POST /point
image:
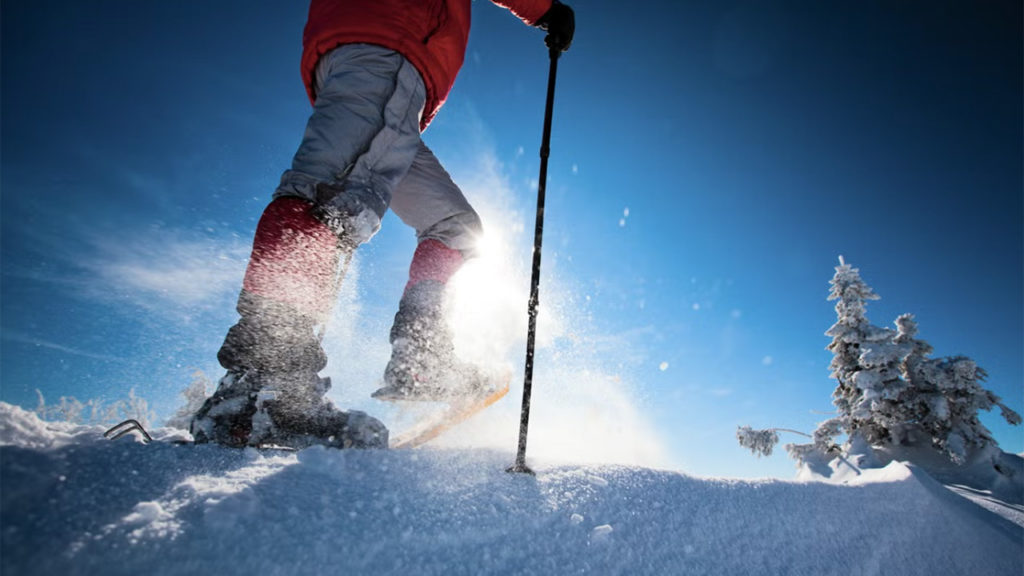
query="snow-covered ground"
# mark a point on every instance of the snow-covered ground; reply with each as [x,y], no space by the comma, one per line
[72,502]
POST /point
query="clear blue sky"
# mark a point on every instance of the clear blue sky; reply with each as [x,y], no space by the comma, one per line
[711,161]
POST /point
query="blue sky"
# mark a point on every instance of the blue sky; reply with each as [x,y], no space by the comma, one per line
[710,162]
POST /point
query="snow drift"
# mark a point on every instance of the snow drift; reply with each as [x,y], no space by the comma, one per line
[75,503]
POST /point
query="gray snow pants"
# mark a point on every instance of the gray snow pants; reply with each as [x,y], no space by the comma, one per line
[362,152]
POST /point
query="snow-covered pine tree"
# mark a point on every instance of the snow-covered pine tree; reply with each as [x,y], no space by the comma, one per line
[851,329]
[865,361]
[921,401]
[852,337]
[943,398]
[889,392]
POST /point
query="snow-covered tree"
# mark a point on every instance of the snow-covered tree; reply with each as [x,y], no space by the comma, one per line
[865,362]
[849,333]
[889,392]
[943,397]
[923,401]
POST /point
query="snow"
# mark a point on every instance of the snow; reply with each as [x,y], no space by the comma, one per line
[75,503]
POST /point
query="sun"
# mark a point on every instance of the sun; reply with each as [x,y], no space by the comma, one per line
[488,302]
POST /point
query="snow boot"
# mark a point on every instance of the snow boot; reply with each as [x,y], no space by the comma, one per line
[423,364]
[294,413]
[283,410]
[269,342]
[226,416]
[272,393]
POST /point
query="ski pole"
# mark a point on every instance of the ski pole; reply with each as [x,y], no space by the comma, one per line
[531,336]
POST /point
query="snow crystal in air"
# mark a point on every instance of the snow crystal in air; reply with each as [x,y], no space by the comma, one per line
[601,533]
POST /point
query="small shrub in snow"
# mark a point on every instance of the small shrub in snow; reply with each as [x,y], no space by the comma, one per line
[195,394]
[71,410]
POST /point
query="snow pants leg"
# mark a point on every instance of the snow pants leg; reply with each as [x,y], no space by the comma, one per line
[360,155]
[361,139]
[422,354]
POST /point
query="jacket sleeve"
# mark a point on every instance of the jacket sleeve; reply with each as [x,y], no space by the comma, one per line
[528,11]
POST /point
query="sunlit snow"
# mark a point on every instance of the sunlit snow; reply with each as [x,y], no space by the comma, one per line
[76,503]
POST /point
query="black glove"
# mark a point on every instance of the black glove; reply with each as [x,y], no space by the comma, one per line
[560,24]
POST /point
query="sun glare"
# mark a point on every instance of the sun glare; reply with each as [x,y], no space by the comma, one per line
[488,312]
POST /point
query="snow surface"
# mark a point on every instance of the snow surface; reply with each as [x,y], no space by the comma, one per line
[73,502]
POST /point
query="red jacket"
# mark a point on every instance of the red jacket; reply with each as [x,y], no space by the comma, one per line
[431,34]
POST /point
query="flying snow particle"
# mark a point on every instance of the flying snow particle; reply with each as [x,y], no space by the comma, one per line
[663,366]
[696,306]
[601,533]
[625,212]
[575,168]
[736,314]
[767,360]
[622,222]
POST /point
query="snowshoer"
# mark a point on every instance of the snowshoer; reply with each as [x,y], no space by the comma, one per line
[376,73]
